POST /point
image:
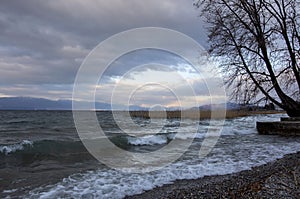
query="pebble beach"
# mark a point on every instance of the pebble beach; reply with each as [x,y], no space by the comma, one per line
[277,179]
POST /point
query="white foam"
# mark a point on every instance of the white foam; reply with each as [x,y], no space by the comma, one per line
[229,157]
[15,147]
[148,140]
[10,191]
[114,184]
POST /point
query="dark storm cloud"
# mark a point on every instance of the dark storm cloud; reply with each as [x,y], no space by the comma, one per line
[44,42]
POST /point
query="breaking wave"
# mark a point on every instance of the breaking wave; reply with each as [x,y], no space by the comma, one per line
[8,149]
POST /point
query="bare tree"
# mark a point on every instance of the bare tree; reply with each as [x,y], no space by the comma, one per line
[257,43]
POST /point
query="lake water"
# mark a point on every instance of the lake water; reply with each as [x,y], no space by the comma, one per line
[41,155]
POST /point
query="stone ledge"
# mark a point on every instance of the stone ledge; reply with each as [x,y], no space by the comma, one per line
[290,119]
[286,128]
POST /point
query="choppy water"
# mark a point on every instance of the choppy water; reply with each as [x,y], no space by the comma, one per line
[41,155]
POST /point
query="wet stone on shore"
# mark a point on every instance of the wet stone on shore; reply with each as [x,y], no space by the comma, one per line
[279,179]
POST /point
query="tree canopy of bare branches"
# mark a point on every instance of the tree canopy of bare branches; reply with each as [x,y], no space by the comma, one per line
[257,43]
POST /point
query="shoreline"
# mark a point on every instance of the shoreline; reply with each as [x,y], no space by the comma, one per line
[277,179]
[201,114]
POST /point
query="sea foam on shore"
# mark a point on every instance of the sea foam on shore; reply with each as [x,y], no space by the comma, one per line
[277,179]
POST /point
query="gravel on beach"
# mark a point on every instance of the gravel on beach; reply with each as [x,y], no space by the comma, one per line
[278,179]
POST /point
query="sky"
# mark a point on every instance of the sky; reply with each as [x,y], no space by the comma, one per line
[44,43]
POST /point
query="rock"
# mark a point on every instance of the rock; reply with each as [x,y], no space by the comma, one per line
[285,128]
[290,119]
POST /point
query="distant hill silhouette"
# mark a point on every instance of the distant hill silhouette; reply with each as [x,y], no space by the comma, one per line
[228,106]
[28,103]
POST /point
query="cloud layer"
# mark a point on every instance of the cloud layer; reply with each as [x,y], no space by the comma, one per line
[43,43]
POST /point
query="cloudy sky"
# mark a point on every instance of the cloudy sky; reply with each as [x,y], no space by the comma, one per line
[44,43]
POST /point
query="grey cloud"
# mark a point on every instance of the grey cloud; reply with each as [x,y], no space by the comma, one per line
[44,42]
[142,60]
[44,91]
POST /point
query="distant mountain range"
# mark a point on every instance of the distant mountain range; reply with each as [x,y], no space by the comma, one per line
[228,106]
[28,103]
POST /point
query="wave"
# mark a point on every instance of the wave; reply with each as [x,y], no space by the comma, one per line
[44,147]
[56,147]
[60,148]
[165,138]
[8,149]
[150,140]
[116,184]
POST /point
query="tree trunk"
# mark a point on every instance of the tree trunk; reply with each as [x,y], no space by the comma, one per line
[293,111]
